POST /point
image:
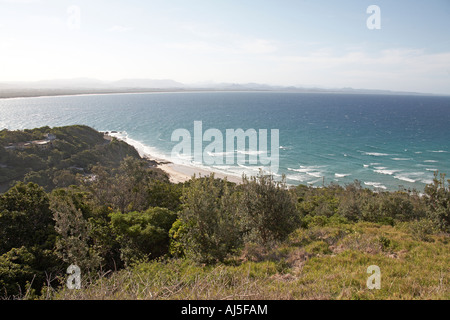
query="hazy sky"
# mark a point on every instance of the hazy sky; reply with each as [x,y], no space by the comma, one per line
[301,43]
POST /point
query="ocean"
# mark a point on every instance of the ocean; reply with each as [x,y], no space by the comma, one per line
[386,142]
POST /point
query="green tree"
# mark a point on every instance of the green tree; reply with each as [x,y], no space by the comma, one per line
[211,220]
[269,209]
[17,272]
[165,194]
[74,244]
[438,201]
[125,189]
[143,235]
[25,218]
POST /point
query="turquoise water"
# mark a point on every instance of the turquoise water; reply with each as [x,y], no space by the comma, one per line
[385,141]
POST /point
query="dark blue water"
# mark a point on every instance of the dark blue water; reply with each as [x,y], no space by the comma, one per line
[382,140]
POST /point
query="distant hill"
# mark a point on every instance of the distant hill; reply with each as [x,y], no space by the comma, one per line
[94,86]
[147,83]
[88,83]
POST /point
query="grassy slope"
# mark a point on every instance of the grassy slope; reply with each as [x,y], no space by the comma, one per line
[321,262]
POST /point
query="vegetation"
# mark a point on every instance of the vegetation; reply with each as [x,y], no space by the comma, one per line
[74,152]
[135,235]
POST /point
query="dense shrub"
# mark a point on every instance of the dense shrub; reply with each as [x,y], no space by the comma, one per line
[269,209]
[438,201]
[143,235]
[25,218]
[211,219]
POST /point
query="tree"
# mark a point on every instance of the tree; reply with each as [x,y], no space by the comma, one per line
[143,235]
[25,218]
[269,208]
[438,201]
[124,189]
[74,243]
[17,272]
[27,238]
[165,194]
[211,220]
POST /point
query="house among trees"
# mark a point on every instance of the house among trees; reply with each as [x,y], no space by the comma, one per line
[50,136]
[42,144]
[45,144]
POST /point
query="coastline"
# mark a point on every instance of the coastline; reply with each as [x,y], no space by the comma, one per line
[178,173]
[181,173]
[25,92]
[44,93]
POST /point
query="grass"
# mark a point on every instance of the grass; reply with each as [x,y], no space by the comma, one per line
[321,262]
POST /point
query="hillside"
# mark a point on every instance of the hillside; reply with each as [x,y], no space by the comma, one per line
[72,151]
[93,202]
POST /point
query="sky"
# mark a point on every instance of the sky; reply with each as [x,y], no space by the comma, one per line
[317,43]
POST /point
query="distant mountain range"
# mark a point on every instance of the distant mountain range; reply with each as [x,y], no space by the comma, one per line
[88,85]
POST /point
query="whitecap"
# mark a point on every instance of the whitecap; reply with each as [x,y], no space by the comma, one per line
[388,172]
[342,175]
[251,152]
[315,174]
[405,179]
[220,154]
[312,171]
[375,185]
[376,154]
[315,181]
[401,159]
[297,177]
[431,161]
[411,177]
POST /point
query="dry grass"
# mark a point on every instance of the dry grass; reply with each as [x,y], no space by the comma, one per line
[316,263]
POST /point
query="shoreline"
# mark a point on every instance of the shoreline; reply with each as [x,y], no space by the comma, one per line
[178,173]
[181,173]
[11,94]
[23,93]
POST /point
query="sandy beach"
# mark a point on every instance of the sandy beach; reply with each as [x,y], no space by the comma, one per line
[178,173]
[182,173]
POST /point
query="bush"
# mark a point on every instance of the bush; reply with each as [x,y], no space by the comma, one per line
[211,218]
[438,201]
[74,243]
[25,218]
[16,272]
[269,209]
[422,229]
[318,247]
[143,235]
[176,234]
